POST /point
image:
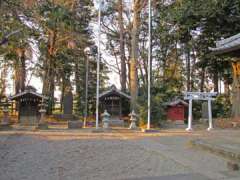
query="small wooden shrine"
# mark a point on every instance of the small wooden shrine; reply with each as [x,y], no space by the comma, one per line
[231,48]
[116,102]
[28,106]
[176,110]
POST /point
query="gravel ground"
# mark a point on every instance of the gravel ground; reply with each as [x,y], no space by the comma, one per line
[25,157]
[98,157]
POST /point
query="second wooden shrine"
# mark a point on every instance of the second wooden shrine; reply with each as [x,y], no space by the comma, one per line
[116,102]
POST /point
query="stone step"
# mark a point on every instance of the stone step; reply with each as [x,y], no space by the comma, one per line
[226,150]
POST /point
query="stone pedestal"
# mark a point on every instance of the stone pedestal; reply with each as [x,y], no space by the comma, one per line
[42,122]
[5,120]
[5,124]
[98,130]
[75,124]
[133,119]
[106,119]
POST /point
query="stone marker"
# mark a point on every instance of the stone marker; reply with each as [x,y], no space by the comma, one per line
[205,111]
[68,102]
[68,110]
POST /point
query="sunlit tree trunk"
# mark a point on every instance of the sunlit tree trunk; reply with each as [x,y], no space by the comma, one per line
[3,80]
[49,73]
[20,71]
[236,91]
[134,53]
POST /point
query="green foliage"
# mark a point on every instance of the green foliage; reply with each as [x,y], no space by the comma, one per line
[221,107]
[163,91]
[70,22]
[179,28]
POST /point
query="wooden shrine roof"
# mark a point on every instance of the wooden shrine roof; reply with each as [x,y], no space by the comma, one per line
[176,102]
[27,92]
[114,91]
[228,45]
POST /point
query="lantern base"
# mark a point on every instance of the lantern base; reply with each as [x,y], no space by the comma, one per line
[106,125]
[75,124]
[150,131]
[42,126]
[133,125]
[5,126]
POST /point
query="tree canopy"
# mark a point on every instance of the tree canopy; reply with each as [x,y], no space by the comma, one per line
[58,32]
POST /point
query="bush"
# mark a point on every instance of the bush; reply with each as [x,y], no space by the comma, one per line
[159,96]
[158,113]
[221,107]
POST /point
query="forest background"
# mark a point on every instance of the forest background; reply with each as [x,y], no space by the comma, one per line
[52,39]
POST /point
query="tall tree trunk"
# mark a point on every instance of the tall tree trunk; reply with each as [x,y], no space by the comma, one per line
[134,53]
[202,80]
[79,86]
[20,71]
[123,75]
[226,87]
[236,91]
[68,96]
[193,70]
[62,93]
[49,73]
[3,81]
[215,81]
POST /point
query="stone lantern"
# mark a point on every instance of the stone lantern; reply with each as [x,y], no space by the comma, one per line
[42,122]
[133,119]
[5,121]
[106,119]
